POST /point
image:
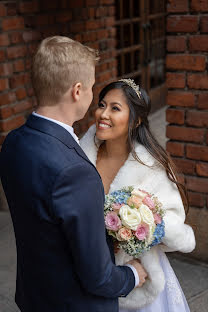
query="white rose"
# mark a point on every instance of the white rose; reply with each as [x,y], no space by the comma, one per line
[150,236]
[146,215]
[139,193]
[130,217]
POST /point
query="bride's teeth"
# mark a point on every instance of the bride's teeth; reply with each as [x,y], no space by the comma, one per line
[104,126]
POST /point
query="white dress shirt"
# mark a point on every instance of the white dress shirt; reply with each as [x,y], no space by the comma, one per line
[71,131]
[65,126]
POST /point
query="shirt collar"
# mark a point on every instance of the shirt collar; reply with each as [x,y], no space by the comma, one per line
[67,127]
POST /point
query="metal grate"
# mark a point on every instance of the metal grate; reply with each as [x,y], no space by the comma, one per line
[140,28]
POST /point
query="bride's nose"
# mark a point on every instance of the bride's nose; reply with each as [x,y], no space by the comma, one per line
[105,114]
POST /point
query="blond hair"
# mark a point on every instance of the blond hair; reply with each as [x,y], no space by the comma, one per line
[60,63]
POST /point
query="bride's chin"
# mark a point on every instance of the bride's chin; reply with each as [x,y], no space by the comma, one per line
[101,136]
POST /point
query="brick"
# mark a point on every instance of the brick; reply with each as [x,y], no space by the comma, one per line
[198,43]
[22,107]
[5,112]
[196,199]
[21,93]
[101,11]
[4,84]
[2,55]
[44,19]
[202,169]
[89,36]
[106,1]
[77,27]
[175,43]
[17,51]
[185,166]
[185,134]
[64,17]
[11,9]
[6,69]
[16,37]
[30,91]
[109,21]
[32,48]
[175,149]
[197,152]
[186,62]
[204,24]
[4,40]
[18,66]
[18,80]
[7,98]
[3,11]
[183,99]
[203,101]
[175,80]
[197,119]
[179,6]
[28,7]
[51,5]
[102,34]
[197,184]
[31,36]
[182,23]
[112,11]
[92,24]
[77,4]
[12,23]
[197,81]
[104,77]
[199,5]
[10,124]
[175,116]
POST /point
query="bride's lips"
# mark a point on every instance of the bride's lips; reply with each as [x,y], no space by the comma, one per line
[103,125]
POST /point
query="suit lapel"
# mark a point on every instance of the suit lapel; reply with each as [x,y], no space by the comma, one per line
[56,131]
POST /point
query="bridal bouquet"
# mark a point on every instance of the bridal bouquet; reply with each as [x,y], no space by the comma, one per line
[135,219]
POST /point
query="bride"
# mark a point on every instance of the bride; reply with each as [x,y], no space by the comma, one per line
[125,153]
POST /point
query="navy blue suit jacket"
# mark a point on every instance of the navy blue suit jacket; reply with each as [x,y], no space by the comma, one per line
[56,197]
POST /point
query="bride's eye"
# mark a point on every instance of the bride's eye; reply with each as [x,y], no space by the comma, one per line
[115,108]
[100,105]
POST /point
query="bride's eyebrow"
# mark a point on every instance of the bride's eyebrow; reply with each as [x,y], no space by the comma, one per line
[112,103]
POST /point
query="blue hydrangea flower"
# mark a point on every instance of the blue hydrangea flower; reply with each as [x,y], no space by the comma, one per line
[159,233]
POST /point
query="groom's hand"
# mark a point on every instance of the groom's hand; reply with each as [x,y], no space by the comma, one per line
[140,270]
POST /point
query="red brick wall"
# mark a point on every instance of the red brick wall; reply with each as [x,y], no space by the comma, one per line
[24,23]
[187,115]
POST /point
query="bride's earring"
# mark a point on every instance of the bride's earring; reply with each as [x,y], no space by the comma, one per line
[138,123]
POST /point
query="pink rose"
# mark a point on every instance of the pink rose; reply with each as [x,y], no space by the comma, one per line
[142,231]
[124,234]
[112,221]
[149,202]
[116,207]
[135,201]
[157,218]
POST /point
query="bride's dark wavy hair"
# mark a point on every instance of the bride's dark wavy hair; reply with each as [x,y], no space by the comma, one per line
[139,110]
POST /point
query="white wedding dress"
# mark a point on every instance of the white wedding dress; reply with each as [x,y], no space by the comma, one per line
[171,299]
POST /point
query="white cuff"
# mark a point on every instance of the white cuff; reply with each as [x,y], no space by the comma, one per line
[135,274]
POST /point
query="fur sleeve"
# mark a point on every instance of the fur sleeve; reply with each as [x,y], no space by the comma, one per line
[178,236]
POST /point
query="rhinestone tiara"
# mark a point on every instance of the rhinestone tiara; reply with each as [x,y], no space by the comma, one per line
[132,84]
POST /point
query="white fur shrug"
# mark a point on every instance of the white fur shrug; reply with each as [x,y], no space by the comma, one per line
[178,236]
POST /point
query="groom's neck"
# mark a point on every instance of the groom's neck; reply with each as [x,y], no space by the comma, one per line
[62,113]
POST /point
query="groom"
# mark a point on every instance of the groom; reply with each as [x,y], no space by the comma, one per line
[56,196]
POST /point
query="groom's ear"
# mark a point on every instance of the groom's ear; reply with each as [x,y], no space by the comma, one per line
[76,91]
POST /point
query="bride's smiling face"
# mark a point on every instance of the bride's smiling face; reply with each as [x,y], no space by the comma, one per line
[112,116]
